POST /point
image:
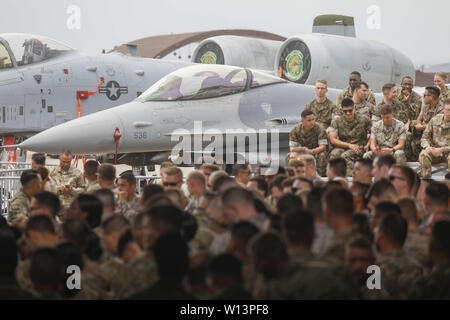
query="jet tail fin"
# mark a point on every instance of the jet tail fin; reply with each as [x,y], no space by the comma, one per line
[335,24]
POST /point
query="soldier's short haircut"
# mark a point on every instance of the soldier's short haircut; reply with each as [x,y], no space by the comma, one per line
[387,87]
[172,256]
[366,163]
[347,103]
[77,231]
[90,204]
[242,232]
[339,202]
[150,190]
[442,75]
[198,177]
[358,84]
[40,223]
[406,77]
[157,200]
[409,175]
[322,81]
[298,227]
[106,197]
[67,153]
[306,113]
[447,101]
[91,168]
[38,158]
[394,227]
[237,195]
[288,201]
[294,163]
[360,242]
[357,73]
[166,219]
[314,201]
[42,171]
[46,268]
[115,223]
[8,252]
[125,239]
[385,207]
[303,179]
[107,172]
[441,237]
[174,171]
[167,164]
[128,177]
[277,182]
[240,168]
[380,188]
[385,160]
[386,109]
[408,208]
[261,184]
[339,166]
[27,176]
[222,183]
[209,166]
[437,193]
[299,150]
[287,183]
[308,159]
[46,199]
[226,264]
[434,91]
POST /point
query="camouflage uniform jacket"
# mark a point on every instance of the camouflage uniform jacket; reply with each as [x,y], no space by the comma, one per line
[416,246]
[428,112]
[23,278]
[18,208]
[91,187]
[437,134]
[207,231]
[129,209]
[443,96]
[300,137]
[348,93]
[365,108]
[413,104]
[142,272]
[401,112]
[436,285]
[73,177]
[398,271]
[388,136]
[354,132]
[324,112]
[336,248]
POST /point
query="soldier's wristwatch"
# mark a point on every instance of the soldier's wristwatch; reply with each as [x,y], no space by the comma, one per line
[312,152]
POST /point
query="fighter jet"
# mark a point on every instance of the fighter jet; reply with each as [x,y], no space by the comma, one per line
[44,82]
[186,109]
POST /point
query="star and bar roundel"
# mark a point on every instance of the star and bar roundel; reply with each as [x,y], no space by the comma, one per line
[113,90]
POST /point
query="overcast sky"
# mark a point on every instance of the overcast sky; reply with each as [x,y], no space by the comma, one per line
[419,29]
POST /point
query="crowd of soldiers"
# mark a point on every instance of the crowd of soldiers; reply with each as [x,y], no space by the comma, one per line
[211,235]
[356,127]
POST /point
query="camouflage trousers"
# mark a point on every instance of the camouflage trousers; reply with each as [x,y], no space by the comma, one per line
[321,163]
[399,156]
[426,160]
[413,147]
[348,155]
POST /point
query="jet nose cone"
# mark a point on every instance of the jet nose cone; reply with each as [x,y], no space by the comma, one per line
[89,134]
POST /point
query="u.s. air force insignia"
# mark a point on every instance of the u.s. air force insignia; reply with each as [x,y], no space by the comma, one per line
[113,90]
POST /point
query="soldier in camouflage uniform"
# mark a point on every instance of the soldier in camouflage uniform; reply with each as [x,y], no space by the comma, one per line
[127,201]
[313,137]
[360,93]
[322,107]
[208,229]
[69,180]
[348,135]
[347,93]
[440,81]
[91,173]
[390,98]
[436,142]
[387,136]
[429,110]
[21,202]
[397,269]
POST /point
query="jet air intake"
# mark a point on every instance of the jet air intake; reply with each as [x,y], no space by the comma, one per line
[305,58]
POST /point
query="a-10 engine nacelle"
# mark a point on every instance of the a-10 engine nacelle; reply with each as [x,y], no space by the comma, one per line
[306,58]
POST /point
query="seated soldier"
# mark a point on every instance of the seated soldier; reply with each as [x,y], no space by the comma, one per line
[388,136]
[436,141]
[312,137]
[390,98]
[360,94]
[355,76]
[322,107]
[348,135]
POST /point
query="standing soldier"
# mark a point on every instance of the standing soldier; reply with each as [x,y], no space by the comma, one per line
[348,135]
[440,81]
[322,107]
[91,173]
[360,93]
[312,137]
[429,110]
[436,141]
[355,76]
[388,136]
[69,180]
[390,98]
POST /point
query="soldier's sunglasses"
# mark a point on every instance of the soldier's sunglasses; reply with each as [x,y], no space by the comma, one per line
[347,111]
[392,178]
[170,184]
